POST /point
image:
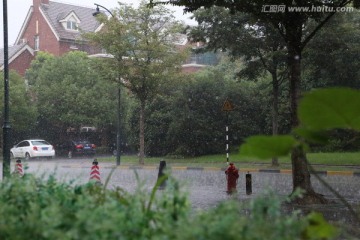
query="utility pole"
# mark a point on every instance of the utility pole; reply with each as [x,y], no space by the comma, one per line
[118,113]
[6,126]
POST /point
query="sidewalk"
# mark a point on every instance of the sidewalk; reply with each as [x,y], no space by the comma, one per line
[245,170]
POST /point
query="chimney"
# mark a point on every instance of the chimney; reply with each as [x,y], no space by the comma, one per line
[37,3]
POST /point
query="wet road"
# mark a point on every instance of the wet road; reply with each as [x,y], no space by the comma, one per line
[205,188]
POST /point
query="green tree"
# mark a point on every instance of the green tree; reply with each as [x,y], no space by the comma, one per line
[259,45]
[332,57]
[332,60]
[142,42]
[71,93]
[289,18]
[23,112]
[186,119]
[32,73]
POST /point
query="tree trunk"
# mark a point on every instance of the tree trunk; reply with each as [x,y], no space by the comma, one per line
[300,171]
[275,110]
[302,180]
[142,133]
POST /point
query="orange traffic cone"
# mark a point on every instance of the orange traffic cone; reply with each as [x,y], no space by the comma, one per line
[19,168]
[95,172]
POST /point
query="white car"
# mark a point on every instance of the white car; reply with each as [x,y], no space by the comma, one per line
[32,148]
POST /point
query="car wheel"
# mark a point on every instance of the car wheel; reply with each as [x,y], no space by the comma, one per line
[27,156]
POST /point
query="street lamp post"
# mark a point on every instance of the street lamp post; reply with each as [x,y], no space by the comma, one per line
[118,115]
[98,10]
[6,126]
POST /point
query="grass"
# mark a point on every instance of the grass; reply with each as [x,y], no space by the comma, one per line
[321,161]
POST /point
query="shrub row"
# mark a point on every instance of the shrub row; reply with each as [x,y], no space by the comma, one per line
[38,208]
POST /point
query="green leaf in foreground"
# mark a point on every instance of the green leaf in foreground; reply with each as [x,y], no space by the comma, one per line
[319,137]
[318,228]
[330,108]
[268,146]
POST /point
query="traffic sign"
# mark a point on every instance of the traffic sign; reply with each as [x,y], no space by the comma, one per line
[227,106]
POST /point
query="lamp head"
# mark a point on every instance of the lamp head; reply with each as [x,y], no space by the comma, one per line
[97,11]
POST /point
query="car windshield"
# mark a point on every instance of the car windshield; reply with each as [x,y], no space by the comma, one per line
[40,142]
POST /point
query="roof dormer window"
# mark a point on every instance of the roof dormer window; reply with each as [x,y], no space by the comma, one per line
[71,22]
[71,25]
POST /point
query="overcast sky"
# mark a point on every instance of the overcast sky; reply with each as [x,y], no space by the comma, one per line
[17,10]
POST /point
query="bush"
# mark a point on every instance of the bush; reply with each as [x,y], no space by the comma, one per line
[33,208]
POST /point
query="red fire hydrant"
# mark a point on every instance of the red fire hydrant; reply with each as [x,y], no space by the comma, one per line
[232,175]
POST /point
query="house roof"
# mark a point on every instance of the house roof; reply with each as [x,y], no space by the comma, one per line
[13,52]
[54,12]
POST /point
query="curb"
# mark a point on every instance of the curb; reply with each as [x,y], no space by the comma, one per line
[244,170]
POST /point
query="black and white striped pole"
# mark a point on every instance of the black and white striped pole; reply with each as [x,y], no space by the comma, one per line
[227,107]
[227,137]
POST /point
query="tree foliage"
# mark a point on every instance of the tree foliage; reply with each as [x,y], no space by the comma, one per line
[142,41]
[187,118]
[23,113]
[291,18]
[70,93]
[332,57]
[258,43]
[320,111]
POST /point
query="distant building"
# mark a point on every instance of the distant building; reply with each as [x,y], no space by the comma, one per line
[51,27]
[20,57]
[54,27]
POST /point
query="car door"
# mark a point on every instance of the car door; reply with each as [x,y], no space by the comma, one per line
[20,149]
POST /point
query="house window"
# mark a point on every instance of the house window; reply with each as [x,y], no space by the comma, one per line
[70,22]
[37,43]
[71,25]
[207,58]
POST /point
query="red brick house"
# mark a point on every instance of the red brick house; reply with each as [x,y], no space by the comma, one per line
[51,27]
[56,28]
